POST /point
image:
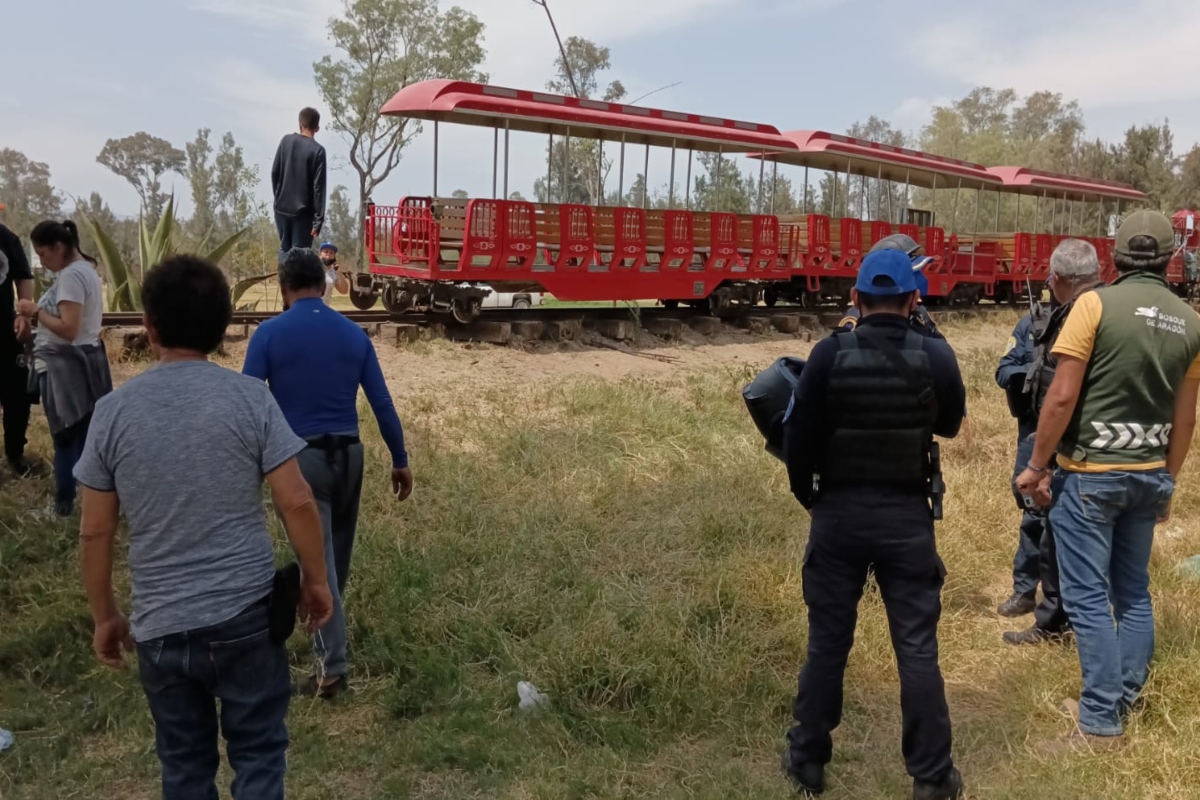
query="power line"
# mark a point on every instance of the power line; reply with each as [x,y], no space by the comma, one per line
[562,50]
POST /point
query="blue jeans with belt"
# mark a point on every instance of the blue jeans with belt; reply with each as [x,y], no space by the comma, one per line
[1104,528]
[184,674]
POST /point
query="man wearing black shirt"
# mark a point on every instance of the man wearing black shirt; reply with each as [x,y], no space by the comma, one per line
[298,183]
[14,332]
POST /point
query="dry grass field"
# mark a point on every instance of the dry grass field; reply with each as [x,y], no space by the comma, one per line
[608,528]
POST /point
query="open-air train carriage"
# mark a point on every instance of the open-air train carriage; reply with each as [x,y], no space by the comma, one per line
[428,252]
[824,253]
[1027,255]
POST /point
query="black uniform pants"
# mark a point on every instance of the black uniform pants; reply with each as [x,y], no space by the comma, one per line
[894,532]
[14,393]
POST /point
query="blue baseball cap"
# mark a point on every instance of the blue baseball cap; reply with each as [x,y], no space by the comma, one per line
[328,246]
[886,273]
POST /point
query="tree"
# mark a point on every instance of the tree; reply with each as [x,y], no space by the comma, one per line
[223,187]
[384,46]
[576,170]
[723,186]
[26,191]
[142,160]
[341,222]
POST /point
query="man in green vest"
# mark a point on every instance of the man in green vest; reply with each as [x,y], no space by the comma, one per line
[1120,413]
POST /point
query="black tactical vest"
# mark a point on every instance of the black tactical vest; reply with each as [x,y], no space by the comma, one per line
[882,416]
[1041,371]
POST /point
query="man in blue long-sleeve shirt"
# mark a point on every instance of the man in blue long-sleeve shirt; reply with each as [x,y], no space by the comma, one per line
[1010,376]
[314,360]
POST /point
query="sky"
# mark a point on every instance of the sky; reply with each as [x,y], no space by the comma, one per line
[78,72]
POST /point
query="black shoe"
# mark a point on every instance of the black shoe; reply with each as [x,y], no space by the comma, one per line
[949,788]
[63,508]
[1035,635]
[809,779]
[313,688]
[1018,605]
[21,466]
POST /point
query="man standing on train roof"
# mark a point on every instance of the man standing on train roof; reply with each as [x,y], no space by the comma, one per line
[334,277]
[298,184]
[920,317]
[314,360]
[858,444]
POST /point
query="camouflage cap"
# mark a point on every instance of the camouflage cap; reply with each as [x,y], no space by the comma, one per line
[1145,222]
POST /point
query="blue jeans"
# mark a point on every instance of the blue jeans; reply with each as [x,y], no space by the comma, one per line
[1104,528]
[68,449]
[294,231]
[184,674]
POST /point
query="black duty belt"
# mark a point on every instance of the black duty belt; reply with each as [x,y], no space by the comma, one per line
[332,445]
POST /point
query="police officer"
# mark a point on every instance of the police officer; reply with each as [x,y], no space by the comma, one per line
[920,317]
[1074,269]
[858,443]
[14,333]
[1010,376]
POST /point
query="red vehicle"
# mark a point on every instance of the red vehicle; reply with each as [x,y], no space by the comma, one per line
[446,254]
[428,252]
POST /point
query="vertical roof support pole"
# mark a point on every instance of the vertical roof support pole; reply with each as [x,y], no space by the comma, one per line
[495,161]
[671,190]
[774,183]
[687,191]
[621,174]
[762,171]
[806,189]
[506,143]
[646,179]
[435,157]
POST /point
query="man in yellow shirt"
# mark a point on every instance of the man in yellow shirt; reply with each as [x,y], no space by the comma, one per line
[1120,414]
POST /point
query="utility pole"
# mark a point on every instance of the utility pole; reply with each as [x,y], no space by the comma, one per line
[562,50]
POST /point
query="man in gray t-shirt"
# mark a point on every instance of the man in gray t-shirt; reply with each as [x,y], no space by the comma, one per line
[183,450]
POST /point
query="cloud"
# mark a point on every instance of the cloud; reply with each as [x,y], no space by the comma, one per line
[1092,56]
[262,107]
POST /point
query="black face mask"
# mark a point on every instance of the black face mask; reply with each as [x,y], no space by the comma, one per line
[329,262]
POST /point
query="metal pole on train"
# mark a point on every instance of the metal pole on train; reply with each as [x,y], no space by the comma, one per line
[717,181]
[600,174]
[564,171]
[833,208]
[671,190]
[954,211]
[974,228]
[1037,212]
[908,189]
[506,131]
[687,190]
[435,157]
[1017,223]
[621,175]
[646,179]
[774,183]
[999,202]
[879,186]
[806,189]
[550,171]
[495,160]
[762,171]
[1100,217]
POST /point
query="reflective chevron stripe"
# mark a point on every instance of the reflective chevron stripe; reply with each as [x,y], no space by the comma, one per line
[1129,435]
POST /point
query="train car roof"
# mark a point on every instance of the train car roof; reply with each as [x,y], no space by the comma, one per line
[1022,180]
[835,152]
[539,112]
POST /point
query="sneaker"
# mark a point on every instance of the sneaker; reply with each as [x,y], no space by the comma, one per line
[949,788]
[1018,605]
[809,778]
[1036,635]
[1078,741]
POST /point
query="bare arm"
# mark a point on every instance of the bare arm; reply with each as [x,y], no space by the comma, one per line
[1058,409]
[342,284]
[66,325]
[1183,425]
[97,535]
[24,289]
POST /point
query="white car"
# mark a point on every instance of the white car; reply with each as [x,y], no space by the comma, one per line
[510,299]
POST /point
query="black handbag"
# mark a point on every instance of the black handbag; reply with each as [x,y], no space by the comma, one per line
[285,602]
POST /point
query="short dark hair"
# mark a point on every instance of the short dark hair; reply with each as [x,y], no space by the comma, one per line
[301,269]
[310,119]
[894,303]
[186,299]
[1143,257]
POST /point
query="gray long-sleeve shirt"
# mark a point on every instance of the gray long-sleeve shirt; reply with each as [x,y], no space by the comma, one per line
[298,178]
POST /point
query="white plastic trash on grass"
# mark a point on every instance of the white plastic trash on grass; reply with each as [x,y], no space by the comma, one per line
[530,697]
[6,739]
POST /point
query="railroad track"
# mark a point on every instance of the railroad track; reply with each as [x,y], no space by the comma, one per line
[134,319]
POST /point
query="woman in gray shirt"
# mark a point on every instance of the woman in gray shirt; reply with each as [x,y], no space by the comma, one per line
[70,363]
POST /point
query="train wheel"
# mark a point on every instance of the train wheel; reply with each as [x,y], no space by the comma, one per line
[466,312]
[395,300]
[363,301]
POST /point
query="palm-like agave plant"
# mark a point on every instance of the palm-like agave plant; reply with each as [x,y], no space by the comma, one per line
[153,247]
